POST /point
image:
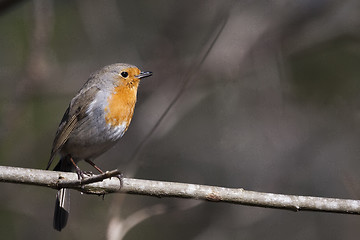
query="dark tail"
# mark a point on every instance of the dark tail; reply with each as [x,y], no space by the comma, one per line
[62,209]
[62,203]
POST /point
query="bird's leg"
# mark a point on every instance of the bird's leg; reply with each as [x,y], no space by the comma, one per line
[79,172]
[120,176]
[94,166]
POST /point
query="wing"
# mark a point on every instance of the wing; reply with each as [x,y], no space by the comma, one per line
[73,115]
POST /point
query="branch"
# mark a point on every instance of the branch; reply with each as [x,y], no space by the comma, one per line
[181,190]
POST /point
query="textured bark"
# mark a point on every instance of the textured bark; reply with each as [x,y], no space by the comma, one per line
[107,183]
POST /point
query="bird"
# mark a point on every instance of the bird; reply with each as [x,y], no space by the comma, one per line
[96,118]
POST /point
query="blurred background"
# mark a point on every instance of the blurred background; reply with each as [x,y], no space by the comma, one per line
[266,97]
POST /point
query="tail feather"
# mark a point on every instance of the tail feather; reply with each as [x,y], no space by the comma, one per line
[62,203]
[62,209]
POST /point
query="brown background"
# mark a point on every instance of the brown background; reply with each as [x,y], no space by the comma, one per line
[274,107]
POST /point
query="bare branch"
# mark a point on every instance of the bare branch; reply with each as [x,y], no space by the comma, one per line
[181,190]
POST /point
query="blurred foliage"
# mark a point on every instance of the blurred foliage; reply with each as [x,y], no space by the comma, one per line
[328,72]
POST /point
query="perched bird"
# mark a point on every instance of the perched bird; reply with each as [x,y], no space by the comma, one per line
[97,117]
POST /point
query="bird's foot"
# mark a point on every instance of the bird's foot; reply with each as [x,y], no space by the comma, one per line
[83,174]
[120,177]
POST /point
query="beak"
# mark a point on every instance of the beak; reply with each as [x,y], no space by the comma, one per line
[144,75]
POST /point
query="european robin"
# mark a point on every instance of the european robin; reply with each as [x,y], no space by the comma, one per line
[97,117]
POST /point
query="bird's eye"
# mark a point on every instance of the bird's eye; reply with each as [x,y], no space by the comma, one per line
[124,74]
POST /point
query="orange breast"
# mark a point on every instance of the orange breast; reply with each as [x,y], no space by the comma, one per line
[121,104]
